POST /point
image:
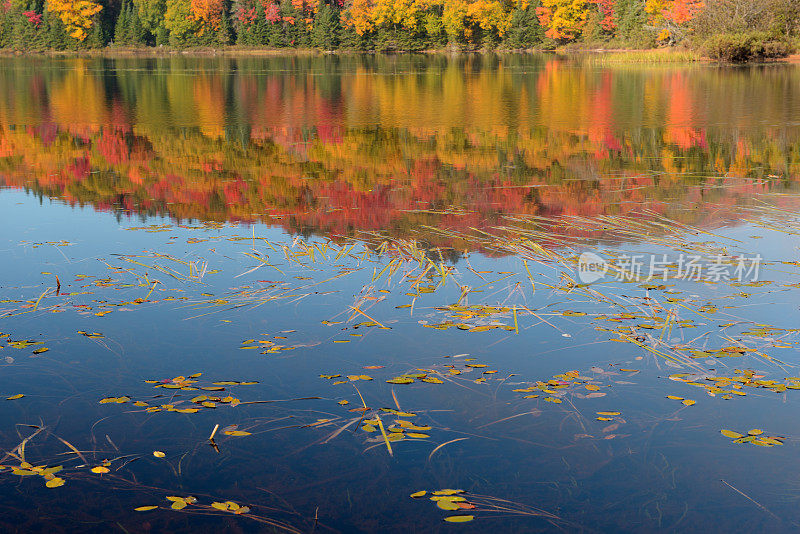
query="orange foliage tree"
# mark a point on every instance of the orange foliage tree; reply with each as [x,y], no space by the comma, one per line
[671,17]
[209,12]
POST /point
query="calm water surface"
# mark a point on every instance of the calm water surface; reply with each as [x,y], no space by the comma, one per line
[303,230]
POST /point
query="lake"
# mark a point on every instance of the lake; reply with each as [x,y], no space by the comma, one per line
[413,293]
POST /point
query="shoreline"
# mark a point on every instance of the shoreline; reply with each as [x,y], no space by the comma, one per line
[167,51]
[623,55]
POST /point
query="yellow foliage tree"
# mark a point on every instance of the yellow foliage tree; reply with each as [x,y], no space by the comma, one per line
[564,19]
[360,16]
[490,14]
[76,15]
[454,18]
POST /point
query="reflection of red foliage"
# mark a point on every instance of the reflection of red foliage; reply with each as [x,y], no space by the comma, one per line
[396,203]
[234,192]
[47,132]
[113,147]
[80,168]
[297,157]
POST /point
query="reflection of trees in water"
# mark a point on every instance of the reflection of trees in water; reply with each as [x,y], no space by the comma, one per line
[339,144]
[401,183]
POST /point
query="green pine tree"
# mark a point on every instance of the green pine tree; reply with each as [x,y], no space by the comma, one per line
[525,31]
[55,33]
[97,37]
[121,28]
[290,34]
[261,29]
[225,31]
[631,20]
[327,27]
[25,35]
[162,35]
[6,27]
[136,32]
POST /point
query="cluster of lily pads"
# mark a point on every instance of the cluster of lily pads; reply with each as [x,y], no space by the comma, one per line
[729,386]
[266,346]
[47,473]
[450,500]
[185,383]
[474,318]
[753,437]
[399,429]
[421,375]
[179,503]
[571,381]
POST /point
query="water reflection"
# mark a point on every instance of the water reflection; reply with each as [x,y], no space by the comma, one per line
[337,144]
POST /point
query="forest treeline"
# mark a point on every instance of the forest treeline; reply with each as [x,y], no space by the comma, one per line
[725,29]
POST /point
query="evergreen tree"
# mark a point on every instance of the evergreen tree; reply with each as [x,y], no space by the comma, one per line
[136,32]
[290,34]
[260,29]
[6,27]
[525,31]
[25,33]
[121,29]
[55,33]
[631,20]
[162,36]
[327,27]
[225,31]
[97,37]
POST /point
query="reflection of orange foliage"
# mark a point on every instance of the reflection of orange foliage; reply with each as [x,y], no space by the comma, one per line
[336,192]
[680,115]
[79,99]
[361,152]
[207,93]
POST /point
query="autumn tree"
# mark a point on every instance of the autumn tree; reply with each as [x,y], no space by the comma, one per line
[208,13]
[671,17]
[77,15]
[454,19]
[490,20]
[606,9]
[182,25]
[563,19]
